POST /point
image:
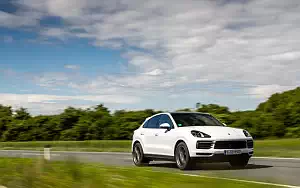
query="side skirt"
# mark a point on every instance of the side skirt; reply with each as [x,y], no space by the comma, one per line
[159,157]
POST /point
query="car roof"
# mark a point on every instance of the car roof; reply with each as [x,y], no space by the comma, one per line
[177,112]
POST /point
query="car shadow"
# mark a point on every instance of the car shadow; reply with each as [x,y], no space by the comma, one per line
[210,166]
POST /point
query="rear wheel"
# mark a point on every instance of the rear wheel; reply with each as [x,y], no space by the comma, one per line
[138,155]
[239,162]
[182,157]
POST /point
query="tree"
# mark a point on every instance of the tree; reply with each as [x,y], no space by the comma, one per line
[279,116]
[22,114]
[214,109]
[5,118]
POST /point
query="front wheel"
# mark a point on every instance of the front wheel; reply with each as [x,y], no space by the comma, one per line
[182,157]
[138,155]
[241,162]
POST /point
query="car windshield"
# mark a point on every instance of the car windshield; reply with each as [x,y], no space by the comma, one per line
[195,119]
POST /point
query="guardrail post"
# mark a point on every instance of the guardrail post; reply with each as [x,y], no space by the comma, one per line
[47,154]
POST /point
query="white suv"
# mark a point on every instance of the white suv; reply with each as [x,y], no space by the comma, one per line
[189,137]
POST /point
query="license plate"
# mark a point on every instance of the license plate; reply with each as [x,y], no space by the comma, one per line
[232,152]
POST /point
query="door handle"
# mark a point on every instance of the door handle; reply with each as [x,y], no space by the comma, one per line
[142,133]
[156,134]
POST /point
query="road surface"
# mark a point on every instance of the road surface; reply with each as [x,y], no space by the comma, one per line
[283,171]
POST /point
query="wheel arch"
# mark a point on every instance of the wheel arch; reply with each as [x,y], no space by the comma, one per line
[135,142]
[179,140]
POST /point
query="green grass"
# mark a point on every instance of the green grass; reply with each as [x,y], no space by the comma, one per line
[275,148]
[278,148]
[29,173]
[98,145]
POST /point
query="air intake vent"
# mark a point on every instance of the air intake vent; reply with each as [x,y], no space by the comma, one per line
[250,143]
[230,144]
[204,144]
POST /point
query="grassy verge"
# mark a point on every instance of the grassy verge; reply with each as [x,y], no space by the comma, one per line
[278,148]
[95,145]
[31,173]
[275,148]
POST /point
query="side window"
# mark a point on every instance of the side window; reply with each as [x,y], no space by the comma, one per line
[146,124]
[165,119]
[153,122]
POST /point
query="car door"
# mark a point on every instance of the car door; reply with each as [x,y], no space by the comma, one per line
[148,134]
[164,138]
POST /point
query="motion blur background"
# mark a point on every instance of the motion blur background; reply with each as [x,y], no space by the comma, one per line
[94,70]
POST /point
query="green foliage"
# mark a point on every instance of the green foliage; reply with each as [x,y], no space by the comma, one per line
[279,116]
[214,109]
[22,114]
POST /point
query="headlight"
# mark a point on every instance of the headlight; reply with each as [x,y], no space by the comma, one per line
[246,133]
[200,134]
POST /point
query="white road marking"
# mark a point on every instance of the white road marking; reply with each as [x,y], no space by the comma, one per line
[277,158]
[244,181]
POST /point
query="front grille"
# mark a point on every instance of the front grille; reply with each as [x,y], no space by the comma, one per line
[250,143]
[230,144]
[204,144]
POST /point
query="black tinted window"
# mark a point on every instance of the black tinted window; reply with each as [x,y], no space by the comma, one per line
[165,119]
[146,124]
[153,122]
[195,119]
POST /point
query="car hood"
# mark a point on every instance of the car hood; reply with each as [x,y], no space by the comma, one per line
[218,131]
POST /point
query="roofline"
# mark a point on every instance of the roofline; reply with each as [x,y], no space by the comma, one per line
[177,112]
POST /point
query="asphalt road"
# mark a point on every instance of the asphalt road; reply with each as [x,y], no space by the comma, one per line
[283,171]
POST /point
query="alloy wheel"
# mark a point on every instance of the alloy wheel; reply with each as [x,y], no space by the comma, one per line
[137,154]
[181,158]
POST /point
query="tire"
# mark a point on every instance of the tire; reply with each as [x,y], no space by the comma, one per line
[138,155]
[240,162]
[182,157]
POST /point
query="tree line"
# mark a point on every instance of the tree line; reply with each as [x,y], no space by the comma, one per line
[279,116]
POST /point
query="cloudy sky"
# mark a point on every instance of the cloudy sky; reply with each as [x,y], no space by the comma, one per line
[132,54]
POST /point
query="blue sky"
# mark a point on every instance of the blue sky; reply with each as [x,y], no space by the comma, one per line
[129,54]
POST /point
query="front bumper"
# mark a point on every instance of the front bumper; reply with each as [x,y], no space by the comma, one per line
[219,154]
[216,158]
[211,152]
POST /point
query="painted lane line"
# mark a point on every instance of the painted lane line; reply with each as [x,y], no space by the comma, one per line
[277,158]
[244,181]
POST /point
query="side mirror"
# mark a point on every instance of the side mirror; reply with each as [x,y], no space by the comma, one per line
[165,126]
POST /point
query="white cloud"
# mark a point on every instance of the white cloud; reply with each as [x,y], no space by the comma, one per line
[72,67]
[39,104]
[155,72]
[287,56]
[37,98]
[182,45]
[19,20]
[52,79]
[265,91]
[55,32]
